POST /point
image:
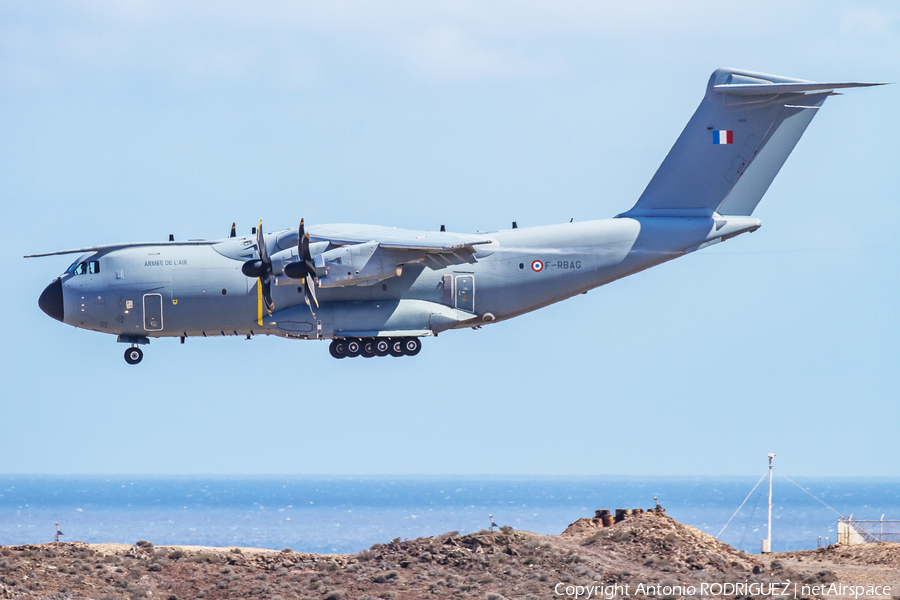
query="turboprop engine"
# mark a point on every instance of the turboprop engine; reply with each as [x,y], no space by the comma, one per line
[358,264]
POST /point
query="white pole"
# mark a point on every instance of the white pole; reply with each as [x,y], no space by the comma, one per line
[769,533]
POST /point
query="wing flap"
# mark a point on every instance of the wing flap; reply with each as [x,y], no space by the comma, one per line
[441,249]
[393,238]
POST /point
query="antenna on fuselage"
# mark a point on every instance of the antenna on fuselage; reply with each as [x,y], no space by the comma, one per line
[515,225]
[443,228]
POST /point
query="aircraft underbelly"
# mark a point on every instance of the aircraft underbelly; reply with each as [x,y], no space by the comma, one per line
[365,319]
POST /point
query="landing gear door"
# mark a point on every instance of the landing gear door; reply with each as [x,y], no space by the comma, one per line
[465,293]
[153,317]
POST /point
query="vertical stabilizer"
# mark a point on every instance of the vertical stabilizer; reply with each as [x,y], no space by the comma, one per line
[734,145]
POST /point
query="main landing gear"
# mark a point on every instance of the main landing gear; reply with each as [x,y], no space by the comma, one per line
[369,347]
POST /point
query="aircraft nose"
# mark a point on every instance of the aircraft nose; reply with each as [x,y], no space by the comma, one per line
[51,300]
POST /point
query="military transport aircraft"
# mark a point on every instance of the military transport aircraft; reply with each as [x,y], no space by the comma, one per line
[376,290]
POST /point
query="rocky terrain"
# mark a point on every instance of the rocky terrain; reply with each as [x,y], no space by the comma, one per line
[649,550]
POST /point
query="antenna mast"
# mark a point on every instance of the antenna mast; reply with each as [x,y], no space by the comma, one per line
[767,543]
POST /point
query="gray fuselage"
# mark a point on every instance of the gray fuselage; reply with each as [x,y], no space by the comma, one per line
[197,288]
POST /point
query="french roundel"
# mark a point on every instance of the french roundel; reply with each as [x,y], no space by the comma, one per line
[537,266]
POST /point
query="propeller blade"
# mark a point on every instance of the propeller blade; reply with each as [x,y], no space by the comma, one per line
[260,268]
[299,269]
[307,258]
[310,292]
[261,245]
[303,247]
[309,283]
[267,291]
[233,230]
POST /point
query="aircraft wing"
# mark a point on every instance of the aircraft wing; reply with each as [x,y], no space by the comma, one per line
[437,249]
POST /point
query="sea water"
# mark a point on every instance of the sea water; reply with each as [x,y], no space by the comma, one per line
[349,514]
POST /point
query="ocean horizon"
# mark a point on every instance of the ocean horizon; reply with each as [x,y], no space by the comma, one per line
[343,514]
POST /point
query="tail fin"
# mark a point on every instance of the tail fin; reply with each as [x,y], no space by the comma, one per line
[734,145]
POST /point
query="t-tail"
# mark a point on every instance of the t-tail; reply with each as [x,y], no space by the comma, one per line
[734,145]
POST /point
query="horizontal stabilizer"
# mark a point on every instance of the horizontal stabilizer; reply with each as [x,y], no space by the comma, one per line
[765,88]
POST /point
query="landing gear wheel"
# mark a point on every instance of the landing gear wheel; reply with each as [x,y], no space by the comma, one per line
[382,346]
[396,347]
[133,355]
[338,349]
[411,346]
[368,348]
[352,347]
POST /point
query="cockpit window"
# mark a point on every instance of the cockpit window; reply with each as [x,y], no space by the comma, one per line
[80,268]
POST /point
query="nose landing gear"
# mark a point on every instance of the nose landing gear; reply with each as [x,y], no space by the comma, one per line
[369,347]
[134,355]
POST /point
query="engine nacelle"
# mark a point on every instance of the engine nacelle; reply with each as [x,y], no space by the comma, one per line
[357,264]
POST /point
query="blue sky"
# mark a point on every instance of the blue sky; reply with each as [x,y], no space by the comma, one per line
[126,121]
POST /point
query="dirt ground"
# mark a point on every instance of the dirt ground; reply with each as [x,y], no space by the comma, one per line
[862,565]
[644,556]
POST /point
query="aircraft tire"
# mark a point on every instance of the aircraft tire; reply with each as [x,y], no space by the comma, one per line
[352,347]
[382,346]
[337,349]
[368,348]
[412,346]
[396,348]
[134,355]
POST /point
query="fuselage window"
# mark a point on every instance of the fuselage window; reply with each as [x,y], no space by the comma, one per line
[81,269]
[94,267]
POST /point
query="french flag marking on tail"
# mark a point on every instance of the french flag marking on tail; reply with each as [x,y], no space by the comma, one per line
[724,136]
